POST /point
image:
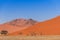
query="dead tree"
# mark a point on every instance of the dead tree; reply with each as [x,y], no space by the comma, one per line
[4,32]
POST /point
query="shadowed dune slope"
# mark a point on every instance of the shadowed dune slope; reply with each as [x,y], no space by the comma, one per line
[17,25]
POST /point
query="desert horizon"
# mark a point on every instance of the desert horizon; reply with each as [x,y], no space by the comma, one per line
[32,27]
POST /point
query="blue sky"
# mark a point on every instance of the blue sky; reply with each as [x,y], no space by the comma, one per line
[39,10]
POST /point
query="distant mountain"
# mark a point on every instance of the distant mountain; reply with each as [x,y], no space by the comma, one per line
[22,22]
[49,27]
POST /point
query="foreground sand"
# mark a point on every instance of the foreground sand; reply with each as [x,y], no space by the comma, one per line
[30,37]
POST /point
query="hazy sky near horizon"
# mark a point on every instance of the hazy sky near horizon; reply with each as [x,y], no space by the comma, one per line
[39,10]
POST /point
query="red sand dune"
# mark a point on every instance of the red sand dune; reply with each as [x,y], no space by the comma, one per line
[29,27]
[49,27]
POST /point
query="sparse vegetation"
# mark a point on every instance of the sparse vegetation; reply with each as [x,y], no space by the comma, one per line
[4,32]
[33,34]
[20,33]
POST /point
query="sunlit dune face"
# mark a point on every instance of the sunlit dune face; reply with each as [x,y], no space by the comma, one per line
[49,27]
